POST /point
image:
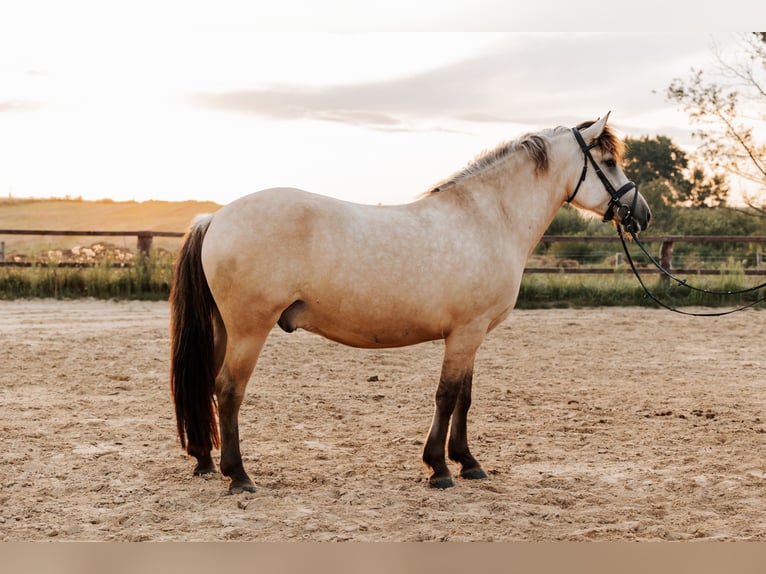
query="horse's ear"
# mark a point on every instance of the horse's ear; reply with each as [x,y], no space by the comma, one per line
[593,131]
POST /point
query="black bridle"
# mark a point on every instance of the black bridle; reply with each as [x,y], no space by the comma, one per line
[615,206]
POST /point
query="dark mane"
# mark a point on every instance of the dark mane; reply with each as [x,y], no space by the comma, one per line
[534,145]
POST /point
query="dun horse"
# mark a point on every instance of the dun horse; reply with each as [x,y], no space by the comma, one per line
[447,266]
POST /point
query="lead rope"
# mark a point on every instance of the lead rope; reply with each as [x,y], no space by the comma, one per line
[682,282]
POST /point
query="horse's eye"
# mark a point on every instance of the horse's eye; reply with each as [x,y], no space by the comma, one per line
[610,163]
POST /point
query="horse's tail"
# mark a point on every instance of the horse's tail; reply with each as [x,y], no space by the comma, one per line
[192,365]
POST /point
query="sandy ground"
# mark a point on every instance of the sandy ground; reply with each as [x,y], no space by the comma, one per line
[594,424]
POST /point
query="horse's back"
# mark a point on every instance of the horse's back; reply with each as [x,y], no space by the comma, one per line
[292,219]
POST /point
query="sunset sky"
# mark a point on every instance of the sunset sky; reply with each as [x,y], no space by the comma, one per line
[170,100]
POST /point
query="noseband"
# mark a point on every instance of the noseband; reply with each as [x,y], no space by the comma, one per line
[624,211]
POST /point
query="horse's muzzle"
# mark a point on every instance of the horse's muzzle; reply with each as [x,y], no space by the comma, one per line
[633,216]
[636,219]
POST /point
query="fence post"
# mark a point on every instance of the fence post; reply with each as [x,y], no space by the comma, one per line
[2,251]
[145,239]
[666,261]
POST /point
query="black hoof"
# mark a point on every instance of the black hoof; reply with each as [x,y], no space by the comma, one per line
[441,482]
[205,468]
[474,473]
[239,488]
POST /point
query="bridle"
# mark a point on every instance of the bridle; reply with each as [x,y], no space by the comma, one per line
[615,206]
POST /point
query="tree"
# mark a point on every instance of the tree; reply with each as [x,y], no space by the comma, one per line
[658,163]
[647,159]
[724,111]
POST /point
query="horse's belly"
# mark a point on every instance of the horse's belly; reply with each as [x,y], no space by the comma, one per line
[372,339]
[358,328]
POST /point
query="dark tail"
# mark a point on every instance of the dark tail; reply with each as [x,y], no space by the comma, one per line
[192,369]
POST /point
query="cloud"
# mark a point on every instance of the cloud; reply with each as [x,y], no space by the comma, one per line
[19,106]
[537,79]
[345,105]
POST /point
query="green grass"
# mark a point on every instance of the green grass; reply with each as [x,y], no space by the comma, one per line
[562,290]
[148,278]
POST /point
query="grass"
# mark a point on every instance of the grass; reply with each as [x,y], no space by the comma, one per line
[622,289]
[149,277]
[561,290]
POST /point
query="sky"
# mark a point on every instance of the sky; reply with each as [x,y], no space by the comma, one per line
[175,100]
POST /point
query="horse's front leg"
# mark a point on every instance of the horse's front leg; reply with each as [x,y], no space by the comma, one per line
[453,396]
[433,452]
[458,437]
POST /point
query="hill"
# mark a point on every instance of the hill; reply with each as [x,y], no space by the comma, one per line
[106,215]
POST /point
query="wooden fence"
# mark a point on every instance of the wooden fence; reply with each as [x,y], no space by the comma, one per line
[667,243]
[144,239]
[665,256]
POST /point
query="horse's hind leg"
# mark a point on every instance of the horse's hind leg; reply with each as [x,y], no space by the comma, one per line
[241,357]
[205,464]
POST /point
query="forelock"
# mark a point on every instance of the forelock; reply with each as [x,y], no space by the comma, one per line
[607,142]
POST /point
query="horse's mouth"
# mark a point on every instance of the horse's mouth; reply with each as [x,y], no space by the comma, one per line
[634,222]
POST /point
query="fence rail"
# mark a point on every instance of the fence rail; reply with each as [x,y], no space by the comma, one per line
[644,271]
[667,242]
[144,238]
[656,239]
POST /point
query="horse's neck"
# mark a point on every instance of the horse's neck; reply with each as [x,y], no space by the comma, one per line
[525,200]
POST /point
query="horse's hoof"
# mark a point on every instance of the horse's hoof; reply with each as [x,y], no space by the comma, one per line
[201,469]
[441,482]
[239,488]
[474,473]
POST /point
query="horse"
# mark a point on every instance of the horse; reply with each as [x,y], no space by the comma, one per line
[446,266]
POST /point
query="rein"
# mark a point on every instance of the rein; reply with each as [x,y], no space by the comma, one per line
[682,282]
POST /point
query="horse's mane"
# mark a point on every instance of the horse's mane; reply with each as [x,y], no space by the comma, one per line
[535,145]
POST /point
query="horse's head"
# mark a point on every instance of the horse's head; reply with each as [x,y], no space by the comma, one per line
[604,188]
